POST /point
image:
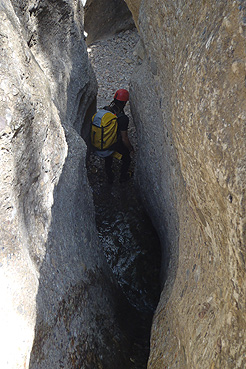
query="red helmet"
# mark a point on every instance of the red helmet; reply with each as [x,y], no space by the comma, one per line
[122,95]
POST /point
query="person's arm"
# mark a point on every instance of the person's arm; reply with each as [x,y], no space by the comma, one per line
[126,141]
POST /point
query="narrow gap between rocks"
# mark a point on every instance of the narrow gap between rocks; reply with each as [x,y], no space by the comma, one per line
[130,243]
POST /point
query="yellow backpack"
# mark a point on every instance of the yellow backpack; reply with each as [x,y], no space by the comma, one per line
[103,129]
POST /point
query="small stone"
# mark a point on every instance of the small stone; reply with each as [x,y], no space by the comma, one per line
[129,61]
[3,123]
[15,91]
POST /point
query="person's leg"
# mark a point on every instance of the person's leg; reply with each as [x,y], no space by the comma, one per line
[126,161]
[108,168]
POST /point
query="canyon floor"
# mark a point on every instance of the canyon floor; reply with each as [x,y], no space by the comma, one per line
[129,241]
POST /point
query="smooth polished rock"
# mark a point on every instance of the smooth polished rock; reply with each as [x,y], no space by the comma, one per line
[188,102]
[59,304]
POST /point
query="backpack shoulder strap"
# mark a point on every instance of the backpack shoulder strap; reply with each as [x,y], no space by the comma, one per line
[96,119]
[121,114]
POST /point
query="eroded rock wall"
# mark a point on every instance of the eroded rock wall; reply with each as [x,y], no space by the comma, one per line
[103,18]
[134,6]
[56,305]
[188,101]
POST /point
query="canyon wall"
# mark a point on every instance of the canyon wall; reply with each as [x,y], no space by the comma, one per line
[56,304]
[103,18]
[188,102]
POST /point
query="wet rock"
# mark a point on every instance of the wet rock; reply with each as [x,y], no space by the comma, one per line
[128,239]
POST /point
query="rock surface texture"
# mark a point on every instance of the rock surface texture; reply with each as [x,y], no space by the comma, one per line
[188,101]
[103,18]
[56,305]
[134,6]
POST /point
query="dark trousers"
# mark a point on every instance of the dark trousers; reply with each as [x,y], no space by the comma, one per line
[126,159]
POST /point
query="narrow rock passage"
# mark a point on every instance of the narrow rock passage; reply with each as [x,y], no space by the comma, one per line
[129,241]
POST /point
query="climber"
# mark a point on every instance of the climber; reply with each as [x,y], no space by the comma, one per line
[122,148]
[123,145]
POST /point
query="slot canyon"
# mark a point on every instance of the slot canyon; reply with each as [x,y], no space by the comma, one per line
[158,282]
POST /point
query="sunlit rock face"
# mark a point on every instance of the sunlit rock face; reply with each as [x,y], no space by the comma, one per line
[188,101]
[134,6]
[56,305]
[103,18]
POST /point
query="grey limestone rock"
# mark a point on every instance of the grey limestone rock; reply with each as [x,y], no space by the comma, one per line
[58,302]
